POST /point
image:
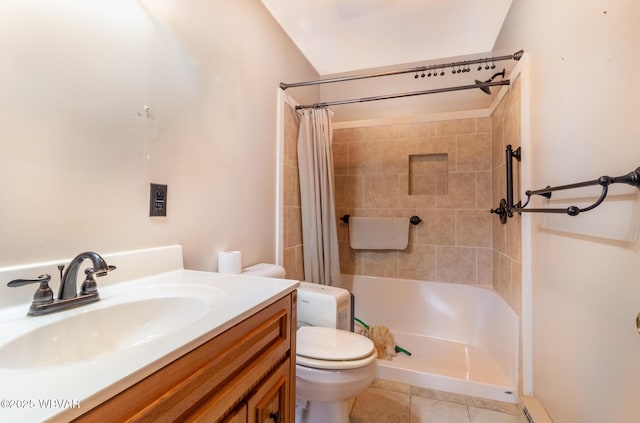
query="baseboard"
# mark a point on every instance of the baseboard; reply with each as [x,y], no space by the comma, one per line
[534,411]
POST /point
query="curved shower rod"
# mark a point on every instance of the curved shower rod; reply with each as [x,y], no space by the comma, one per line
[507,208]
[515,56]
[484,86]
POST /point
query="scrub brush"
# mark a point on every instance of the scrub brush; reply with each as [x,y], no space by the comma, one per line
[382,340]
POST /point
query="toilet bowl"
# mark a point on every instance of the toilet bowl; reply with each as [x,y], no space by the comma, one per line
[332,365]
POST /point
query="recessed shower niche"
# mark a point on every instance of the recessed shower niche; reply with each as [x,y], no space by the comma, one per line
[428,174]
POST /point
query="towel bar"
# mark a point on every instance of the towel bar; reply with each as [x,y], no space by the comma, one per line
[414,220]
[507,207]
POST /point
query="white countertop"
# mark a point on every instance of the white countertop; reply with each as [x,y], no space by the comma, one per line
[65,391]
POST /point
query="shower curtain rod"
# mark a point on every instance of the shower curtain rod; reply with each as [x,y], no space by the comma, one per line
[407,94]
[515,56]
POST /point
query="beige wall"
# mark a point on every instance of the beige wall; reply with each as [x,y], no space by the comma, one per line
[78,150]
[584,123]
[453,243]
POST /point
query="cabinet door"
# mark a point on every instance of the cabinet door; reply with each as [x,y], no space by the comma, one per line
[269,403]
[239,415]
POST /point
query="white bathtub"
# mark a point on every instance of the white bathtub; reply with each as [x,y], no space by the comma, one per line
[463,339]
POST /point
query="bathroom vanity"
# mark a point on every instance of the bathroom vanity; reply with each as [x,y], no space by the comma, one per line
[163,344]
[245,374]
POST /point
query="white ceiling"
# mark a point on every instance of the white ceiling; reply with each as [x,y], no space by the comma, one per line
[345,35]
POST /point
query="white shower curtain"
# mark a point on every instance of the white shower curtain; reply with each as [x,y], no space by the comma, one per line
[319,231]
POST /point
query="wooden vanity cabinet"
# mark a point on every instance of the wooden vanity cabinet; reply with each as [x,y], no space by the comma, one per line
[245,374]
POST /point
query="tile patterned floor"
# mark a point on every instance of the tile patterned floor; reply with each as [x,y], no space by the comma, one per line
[387,402]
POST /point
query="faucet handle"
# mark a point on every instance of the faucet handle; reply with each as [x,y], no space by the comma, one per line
[43,294]
[22,282]
[89,284]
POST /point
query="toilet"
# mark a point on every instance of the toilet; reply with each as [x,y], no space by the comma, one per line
[333,364]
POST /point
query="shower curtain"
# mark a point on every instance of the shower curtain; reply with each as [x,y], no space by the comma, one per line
[319,231]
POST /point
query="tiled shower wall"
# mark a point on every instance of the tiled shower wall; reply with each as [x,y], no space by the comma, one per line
[439,171]
[458,240]
[507,254]
[292,220]
[507,260]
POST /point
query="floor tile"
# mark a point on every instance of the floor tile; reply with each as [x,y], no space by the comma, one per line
[479,415]
[425,410]
[499,406]
[399,403]
[381,406]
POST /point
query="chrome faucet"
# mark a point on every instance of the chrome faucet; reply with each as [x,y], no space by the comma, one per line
[43,301]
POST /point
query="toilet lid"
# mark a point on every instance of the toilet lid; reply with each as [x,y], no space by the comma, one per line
[331,344]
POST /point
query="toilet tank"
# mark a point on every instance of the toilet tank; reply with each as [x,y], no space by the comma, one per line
[318,305]
[322,305]
[267,270]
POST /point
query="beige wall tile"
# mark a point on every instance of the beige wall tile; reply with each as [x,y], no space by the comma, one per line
[365,157]
[381,191]
[473,228]
[426,129]
[474,152]
[395,155]
[417,262]
[495,277]
[292,226]
[438,227]
[461,191]
[497,145]
[513,235]
[292,122]
[291,186]
[348,259]
[456,264]
[349,191]
[378,185]
[293,262]
[348,135]
[425,171]
[485,266]
[504,285]
[407,200]
[383,263]
[456,127]
[343,228]
[483,194]
[340,158]
[292,231]
[440,145]
[498,184]
[483,124]
[289,261]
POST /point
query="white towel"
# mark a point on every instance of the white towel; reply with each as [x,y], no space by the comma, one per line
[378,233]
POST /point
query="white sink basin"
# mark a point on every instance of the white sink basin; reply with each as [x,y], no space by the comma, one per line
[118,323]
[95,351]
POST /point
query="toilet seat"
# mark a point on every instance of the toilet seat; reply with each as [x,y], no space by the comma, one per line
[332,349]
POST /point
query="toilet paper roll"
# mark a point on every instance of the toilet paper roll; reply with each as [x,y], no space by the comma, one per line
[230,262]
